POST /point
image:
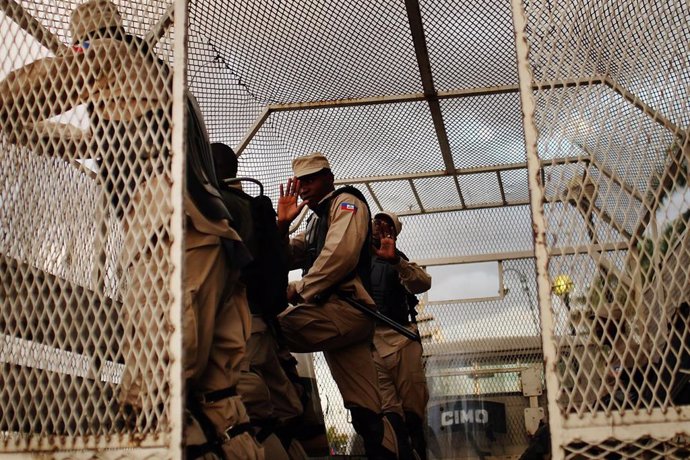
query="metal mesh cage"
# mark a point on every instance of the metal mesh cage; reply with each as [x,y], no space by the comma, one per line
[86,228]
[644,447]
[548,137]
[619,305]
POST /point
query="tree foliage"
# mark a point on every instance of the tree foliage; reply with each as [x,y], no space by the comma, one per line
[337,440]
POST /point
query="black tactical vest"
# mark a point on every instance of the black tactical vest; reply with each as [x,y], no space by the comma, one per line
[391,297]
[317,228]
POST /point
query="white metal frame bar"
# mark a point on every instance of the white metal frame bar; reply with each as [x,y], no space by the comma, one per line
[466,207]
[631,190]
[598,426]
[179,136]
[541,252]
[463,171]
[159,29]
[665,181]
[416,196]
[646,109]
[31,25]
[514,255]
[416,97]
[256,126]
[374,197]
[367,181]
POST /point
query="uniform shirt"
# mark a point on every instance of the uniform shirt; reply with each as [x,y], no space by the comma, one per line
[347,232]
[121,85]
[413,277]
[209,231]
[121,82]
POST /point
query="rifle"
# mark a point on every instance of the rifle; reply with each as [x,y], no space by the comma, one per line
[397,327]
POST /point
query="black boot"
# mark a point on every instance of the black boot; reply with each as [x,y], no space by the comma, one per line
[403,436]
[415,426]
[369,425]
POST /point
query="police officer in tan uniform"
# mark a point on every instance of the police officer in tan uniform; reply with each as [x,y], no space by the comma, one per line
[271,399]
[334,253]
[215,301]
[394,281]
[128,91]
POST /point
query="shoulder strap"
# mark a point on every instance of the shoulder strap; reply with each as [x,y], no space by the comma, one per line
[235,180]
[352,191]
[363,268]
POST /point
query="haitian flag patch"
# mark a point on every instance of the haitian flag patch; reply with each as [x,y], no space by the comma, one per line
[82,47]
[348,207]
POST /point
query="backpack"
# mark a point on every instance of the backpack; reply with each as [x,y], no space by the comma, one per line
[266,277]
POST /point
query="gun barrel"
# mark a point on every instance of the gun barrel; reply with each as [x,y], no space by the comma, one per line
[399,328]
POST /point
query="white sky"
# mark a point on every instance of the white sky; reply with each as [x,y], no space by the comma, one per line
[19,50]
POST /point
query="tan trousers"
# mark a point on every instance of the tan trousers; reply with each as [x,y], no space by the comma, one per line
[262,359]
[344,335]
[216,326]
[401,374]
[266,390]
[143,316]
[146,265]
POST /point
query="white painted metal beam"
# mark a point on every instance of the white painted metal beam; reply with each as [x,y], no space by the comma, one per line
[646,109]
[263,116]
[461,171]
[31,25]
[159,29]
[498,256]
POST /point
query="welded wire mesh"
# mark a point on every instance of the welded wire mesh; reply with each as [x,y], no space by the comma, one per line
[471,44]
[619,326]
[295,52]
[86,146]
[609,82]
[644,447]
[481,231]
[480,137]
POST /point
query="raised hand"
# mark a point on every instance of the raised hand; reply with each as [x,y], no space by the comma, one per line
[288,209]
[384,236]
[386,250]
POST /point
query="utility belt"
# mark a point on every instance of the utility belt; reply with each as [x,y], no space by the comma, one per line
[214,441]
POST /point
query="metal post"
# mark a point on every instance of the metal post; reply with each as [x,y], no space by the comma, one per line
[536,189]
[177,223]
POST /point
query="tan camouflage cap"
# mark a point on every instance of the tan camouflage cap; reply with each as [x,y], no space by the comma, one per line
[92,16]
[309,164]
[394,218]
